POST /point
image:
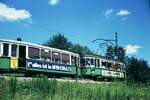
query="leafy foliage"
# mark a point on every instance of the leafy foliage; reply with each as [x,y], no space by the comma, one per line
[46,89]
[110,53]
[77,48]
[81,50]
[59,41]
[138,70]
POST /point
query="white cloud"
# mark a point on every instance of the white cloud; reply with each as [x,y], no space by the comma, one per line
[12,14]
[123,13]
[108,12]
[53,2]
[132,49]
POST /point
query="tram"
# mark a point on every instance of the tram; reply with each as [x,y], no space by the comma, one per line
[31,58]
[99,67]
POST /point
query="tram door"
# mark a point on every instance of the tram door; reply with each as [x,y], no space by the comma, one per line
[22,57]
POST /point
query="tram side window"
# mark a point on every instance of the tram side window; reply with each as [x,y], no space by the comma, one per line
[115,66]
[5,49]
[123,67]
[34,53]
[14,50]
[78,61]
[87,61]
[0,49]
[119,67]
[83,63]
[55,56]
[109,65]
[97,62]
[65,58]
[45,55]
[92,61]
[103,64]
[72,60]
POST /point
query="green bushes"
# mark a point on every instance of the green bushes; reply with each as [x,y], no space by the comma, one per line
[44,89]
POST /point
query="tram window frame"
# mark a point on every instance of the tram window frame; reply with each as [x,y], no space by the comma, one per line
[55,58]
[74,60]
[5,50]
[78,61]
[34,54]
[65,59]
[46,55]
[14,50]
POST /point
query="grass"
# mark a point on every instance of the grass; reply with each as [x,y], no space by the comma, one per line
[44,89]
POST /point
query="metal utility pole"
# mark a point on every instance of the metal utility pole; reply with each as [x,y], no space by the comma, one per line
[116,38]
[111,41]
[76,73]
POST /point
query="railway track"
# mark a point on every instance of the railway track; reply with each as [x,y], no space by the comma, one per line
[20,78]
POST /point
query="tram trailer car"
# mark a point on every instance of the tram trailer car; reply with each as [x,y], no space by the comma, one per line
[98,67]
[18,56]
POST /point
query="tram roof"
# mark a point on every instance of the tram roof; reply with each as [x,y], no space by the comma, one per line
[37,45]
[100,57]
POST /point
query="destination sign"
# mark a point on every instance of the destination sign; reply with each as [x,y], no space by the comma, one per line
[112,73]
[48,66]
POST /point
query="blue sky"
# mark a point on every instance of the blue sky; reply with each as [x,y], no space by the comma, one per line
[80,20]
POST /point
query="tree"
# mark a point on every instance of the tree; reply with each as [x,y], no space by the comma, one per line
[121,54]
[137,70]
[77,48]
[110,53]
[81,50]
[87,51]
[59,41]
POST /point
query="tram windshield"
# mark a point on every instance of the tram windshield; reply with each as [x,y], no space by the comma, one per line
[5,49]
[14,50]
